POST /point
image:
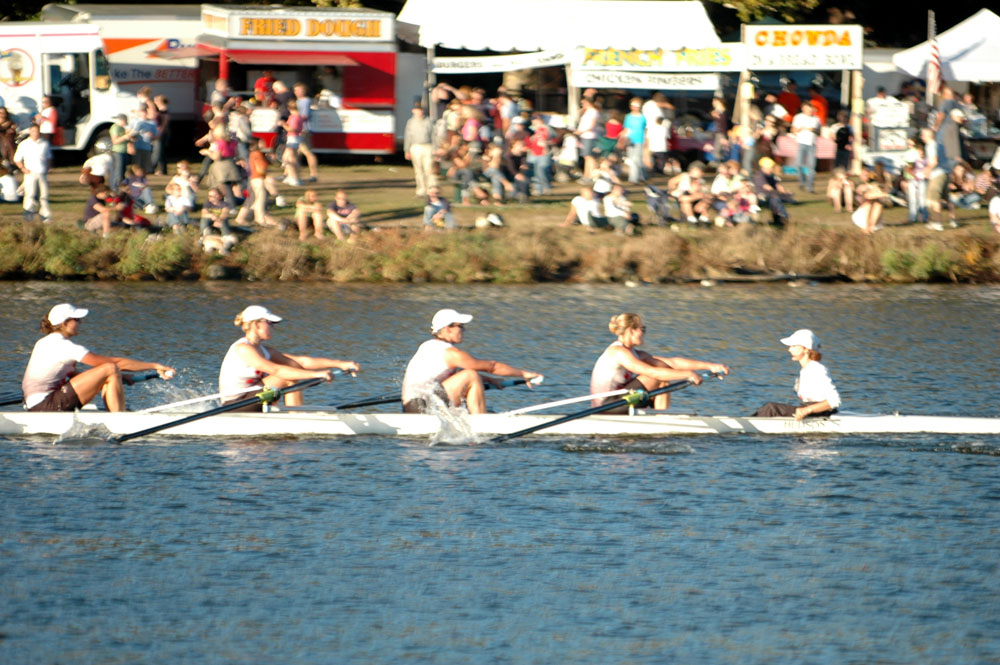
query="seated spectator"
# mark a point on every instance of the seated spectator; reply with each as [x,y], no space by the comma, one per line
[871,199]
[101,211]
[742,207]
[961,190]
[138,189]
[215,214]
[568,157]
[309,210]
[342,216]
[840,190]
[8,187]
[689,190]
[132,211]
[605,176]
[724,186]
[618,210]
[177,207]
[463,173]
[768,188]
[493,169]
[517,170]
[96,170]
[994,208]
[587,209]
[186,181]
[437,212]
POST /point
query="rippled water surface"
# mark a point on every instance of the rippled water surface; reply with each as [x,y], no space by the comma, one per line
[702,549]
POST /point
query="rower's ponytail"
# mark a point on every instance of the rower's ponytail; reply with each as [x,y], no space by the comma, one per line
[240,323]
[622,322]
[47,327]
[814,355]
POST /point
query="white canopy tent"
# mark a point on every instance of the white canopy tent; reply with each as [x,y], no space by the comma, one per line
[534,25]
[969,51]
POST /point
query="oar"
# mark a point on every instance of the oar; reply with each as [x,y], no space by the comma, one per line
[634,397]
[17,398]
[268,395]
[564,402]
[389,398]
[207,398]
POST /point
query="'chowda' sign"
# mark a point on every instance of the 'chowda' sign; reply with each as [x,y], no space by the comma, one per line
[803,47]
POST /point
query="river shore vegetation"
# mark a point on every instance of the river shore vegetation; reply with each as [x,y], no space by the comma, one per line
[530,247]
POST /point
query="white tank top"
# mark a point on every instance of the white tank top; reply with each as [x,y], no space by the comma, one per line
[52,363]
[235,375]
[608,375]
[426,369]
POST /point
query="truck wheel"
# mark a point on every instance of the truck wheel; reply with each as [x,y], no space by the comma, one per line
[100,143]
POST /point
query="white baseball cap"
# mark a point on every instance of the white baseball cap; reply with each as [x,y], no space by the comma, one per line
[447,317]
[803,337]
[256,312]
[63,311]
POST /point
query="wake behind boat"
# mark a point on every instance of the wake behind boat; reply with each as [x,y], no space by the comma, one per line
[317,421]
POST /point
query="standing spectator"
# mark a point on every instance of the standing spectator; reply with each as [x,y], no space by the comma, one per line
[819,103]
[719,128]
[304,104]
[162,138]
[805,127]
[8,136]
[657,136]
[539,155]
[843,136]
[946,127]
[342,216]
[937,176]
[418,148]
[293,135]
[121,136]
[47,120]
[789,99]
[259,185]
[220,93]
[32,157]
[507,109]
[437,212]
[915,181]
[262,86]
[586,130]
[635,135]
[144,132]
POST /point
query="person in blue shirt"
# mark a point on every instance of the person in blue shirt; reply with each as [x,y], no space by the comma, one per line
[635,135]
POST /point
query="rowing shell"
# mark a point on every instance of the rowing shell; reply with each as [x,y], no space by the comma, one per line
[306,421]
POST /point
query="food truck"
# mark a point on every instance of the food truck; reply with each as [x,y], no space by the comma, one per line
[92,70]
[346,57]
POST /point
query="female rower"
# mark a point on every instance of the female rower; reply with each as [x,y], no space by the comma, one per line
[250,366]
[814,387]
[624,366]
[51,382]
[439,367]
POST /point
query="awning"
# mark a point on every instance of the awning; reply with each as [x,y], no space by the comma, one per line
[290,58]
[184,52]
[540,25]
[968,51]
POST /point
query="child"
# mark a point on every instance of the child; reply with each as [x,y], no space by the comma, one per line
[187,182]
[618,210]
[138,189]
[437,212]
[176,207]
[8,187]
[215,213]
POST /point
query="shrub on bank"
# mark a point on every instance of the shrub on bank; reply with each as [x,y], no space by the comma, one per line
[509,255]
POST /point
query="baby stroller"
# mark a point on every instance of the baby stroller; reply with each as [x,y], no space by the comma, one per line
[663,207]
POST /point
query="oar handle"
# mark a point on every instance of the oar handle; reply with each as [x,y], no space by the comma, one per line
[267,395]
[509,383]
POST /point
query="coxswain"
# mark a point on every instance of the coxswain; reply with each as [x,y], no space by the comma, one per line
[441,369]
[250,366]
[814,386]
[623,365]
[51,381]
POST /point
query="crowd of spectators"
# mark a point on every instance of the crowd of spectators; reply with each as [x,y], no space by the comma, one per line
[477,150]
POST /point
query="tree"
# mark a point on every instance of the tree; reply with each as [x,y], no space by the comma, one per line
[787,10]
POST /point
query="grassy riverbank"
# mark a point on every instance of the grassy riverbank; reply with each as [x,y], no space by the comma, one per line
[531,247]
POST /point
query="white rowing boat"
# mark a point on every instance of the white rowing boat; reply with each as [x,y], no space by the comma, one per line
[311,421]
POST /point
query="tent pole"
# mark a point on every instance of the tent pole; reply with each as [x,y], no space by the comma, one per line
[572,97]
[431,83]
[857,113]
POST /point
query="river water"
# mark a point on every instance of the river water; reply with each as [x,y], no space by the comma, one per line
[705,549]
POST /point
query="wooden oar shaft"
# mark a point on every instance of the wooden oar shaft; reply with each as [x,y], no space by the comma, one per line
[266,395]
[669,388]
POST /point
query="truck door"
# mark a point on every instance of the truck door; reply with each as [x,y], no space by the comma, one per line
[66,80]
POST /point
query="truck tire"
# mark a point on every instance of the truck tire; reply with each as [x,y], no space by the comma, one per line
[101,142]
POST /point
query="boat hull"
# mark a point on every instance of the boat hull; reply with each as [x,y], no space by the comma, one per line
[308,422]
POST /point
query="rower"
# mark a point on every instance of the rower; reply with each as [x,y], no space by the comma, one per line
[814,386]
[249,365]
[624,365]
[441,369]
[51,382]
